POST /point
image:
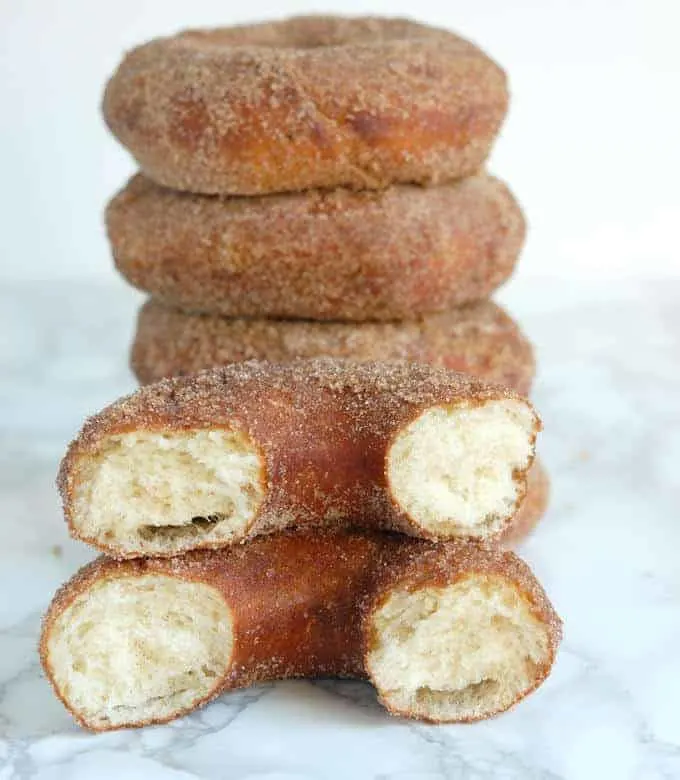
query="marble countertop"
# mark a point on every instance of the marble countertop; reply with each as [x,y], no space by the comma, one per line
[607,553]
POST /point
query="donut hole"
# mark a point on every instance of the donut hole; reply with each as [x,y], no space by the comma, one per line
[460,652]
[310,32]
[459,471]
[132,649]
[162,493]
[257,36]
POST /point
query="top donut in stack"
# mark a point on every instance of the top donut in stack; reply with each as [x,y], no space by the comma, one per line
[320,169]
[312,102]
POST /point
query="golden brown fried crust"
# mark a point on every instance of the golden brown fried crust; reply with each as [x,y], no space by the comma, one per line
[307,102]
[480,339]
[302,603]
[340,255]
[324,428]
[532,509]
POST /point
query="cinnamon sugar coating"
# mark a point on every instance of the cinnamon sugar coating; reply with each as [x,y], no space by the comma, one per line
[341,255]
[479,339]
[309,102]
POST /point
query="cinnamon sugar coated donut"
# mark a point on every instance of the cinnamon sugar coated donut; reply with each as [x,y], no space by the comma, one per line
[227,454]
[480,339]
[340,255]
[448,632]
[307,102]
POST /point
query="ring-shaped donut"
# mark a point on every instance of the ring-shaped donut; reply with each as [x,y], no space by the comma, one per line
[309,102]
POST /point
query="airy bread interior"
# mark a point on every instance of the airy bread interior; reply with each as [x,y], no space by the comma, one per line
[165,492]
[463,651]
[138,648]
[454,470]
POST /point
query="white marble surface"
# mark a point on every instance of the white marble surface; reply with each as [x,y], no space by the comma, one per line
[609,391]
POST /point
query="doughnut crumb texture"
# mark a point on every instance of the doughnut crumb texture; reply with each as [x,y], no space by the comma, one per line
[161,491]
[453,469]
[446,632]
[307,102]
[456,653]
[230,453]
[137,649]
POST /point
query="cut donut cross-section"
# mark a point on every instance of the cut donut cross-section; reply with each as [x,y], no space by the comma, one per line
[445,632]
[227,454]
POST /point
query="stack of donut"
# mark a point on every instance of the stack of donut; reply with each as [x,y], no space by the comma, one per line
[304,486]
[315,187]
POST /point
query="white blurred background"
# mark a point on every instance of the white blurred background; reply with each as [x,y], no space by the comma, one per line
[590,146]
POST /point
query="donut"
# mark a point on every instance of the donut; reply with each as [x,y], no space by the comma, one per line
[309,102]
[449,632]
[479,339]
[341,255]
[219,457]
